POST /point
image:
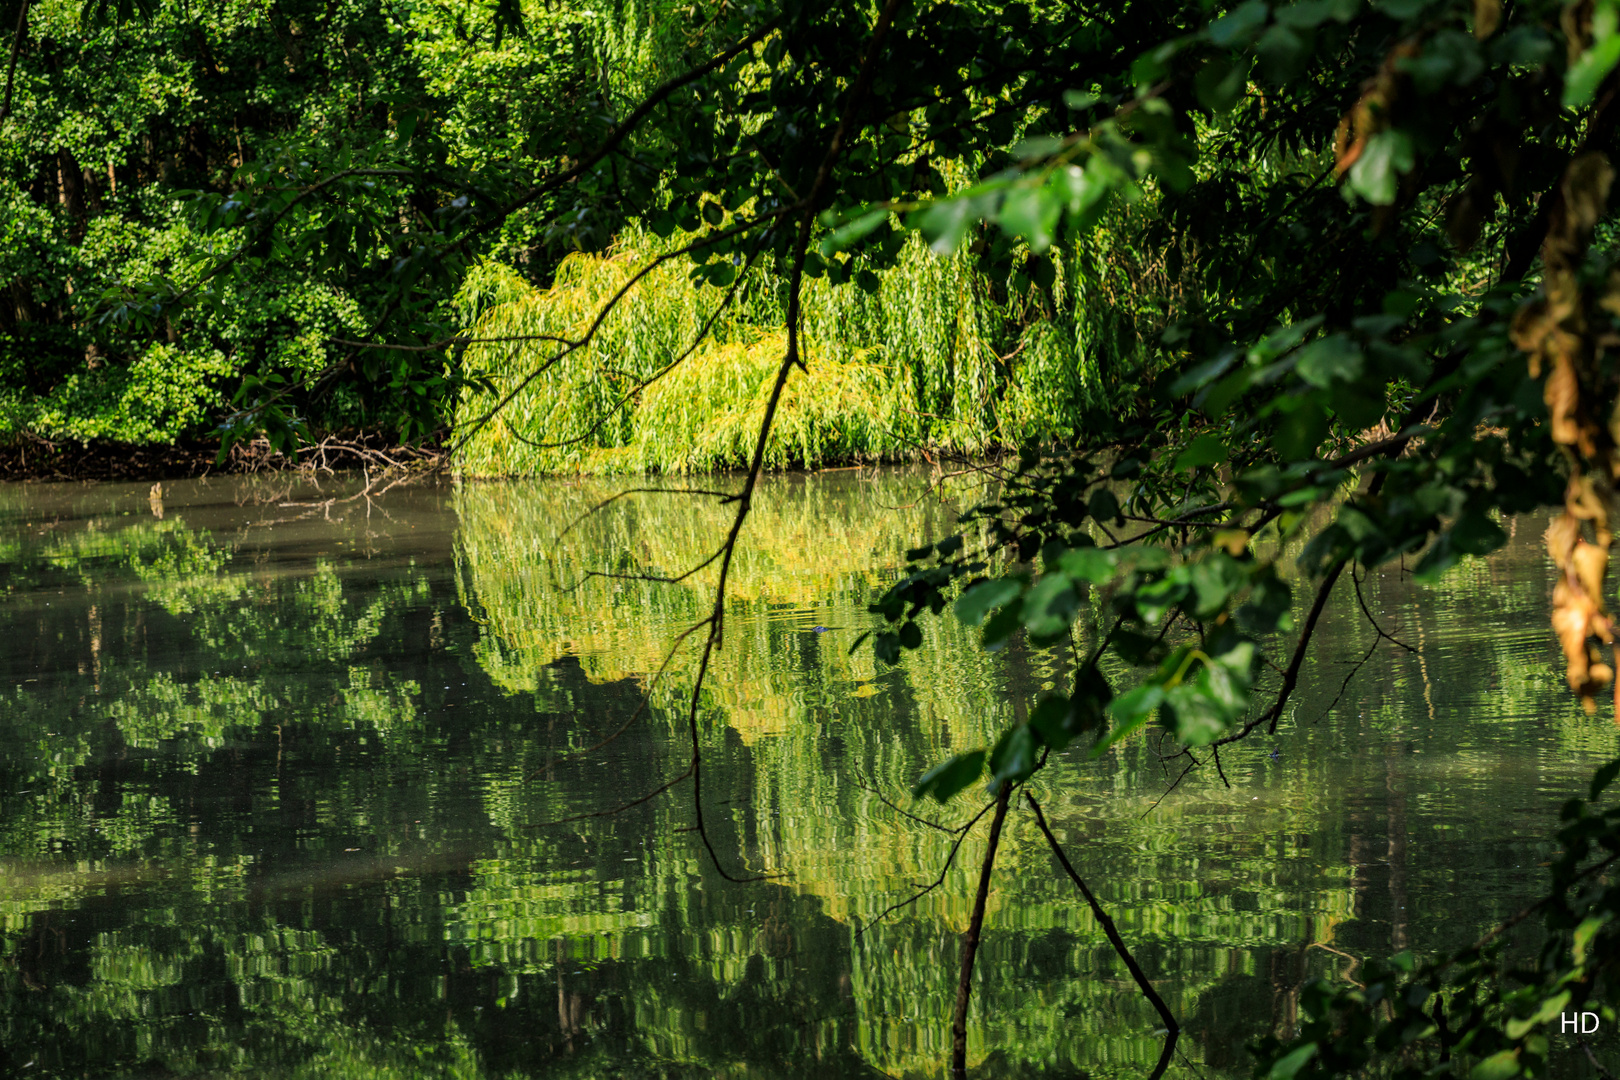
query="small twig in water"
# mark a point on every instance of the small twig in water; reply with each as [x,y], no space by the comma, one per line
[1191,765]
[1171,1026]
[924,890]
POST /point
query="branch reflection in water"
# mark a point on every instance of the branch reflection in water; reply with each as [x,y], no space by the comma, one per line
[280,799]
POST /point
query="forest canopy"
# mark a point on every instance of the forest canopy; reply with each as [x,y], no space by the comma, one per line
[1200,281]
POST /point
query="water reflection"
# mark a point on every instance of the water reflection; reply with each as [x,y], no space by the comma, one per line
[282,768]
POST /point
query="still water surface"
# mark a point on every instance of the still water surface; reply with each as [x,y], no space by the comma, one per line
[281,771]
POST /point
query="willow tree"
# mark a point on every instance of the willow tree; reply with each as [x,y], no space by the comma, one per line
[1385,298]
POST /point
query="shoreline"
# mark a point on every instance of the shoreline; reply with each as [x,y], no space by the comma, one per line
[33,460]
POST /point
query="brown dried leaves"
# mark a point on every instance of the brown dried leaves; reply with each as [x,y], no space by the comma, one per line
[1579,616]
[1371,114]
[1557,336]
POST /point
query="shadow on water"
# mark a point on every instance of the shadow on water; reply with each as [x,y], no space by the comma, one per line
[282,767]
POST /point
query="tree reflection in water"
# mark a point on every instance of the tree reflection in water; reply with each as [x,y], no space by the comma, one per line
[275,799]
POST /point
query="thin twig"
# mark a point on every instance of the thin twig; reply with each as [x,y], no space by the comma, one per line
[924,890]
[1596,1064]
[1380,631]
[1291,673]
[641,706]
[607,309]
[623,129]
[638,491]
[790,359]
[884,799]
[1169,1018]
[1354,670]
[1191,765]
[697,339]
[653,794]
[16,47]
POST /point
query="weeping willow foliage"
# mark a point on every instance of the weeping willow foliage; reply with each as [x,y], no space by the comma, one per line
[937,356]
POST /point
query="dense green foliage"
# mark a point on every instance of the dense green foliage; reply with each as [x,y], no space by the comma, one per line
[930,360]
[131,145]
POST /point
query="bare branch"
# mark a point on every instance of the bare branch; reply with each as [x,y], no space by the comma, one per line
[1169,1018]
[623,129]
[970,941]
[948,830]
[924,890]
[697,340]
[1362,603]
[16,47]
[806,211]
[1291,673]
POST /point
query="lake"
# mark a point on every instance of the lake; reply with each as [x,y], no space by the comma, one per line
[303,780]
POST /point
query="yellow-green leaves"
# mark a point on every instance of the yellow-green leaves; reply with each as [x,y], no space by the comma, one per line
[1499,1066]
[1550,1008]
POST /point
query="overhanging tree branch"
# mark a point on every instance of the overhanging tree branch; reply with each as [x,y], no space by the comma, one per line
[1114,939]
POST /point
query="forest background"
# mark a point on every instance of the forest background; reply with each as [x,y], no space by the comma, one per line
[1209,276]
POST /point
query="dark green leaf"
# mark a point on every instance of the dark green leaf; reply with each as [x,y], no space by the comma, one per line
[974,604]
[910,634]
[946,779]
[1103,505]
[1377,172]
[1302,431]
[853,232]
[1329,360]
[1095,565]
[1204,450]
[1288,1067]
[1014,755]
[1603,778]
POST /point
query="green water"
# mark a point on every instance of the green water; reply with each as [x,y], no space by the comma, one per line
[281,771]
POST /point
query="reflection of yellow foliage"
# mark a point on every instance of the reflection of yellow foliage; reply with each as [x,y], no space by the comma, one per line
[814,551]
